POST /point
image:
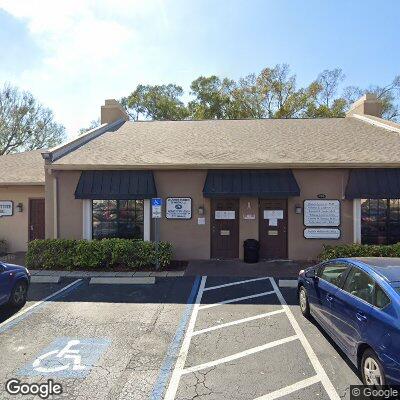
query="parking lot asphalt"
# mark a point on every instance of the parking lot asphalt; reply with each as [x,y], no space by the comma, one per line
[231,340]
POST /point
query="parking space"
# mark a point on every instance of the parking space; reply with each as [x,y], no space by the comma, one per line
[98,341]
[244,342]
[180,338]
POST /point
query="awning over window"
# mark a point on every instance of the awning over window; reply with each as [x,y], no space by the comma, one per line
[257,183]
[374,183]
[116,185]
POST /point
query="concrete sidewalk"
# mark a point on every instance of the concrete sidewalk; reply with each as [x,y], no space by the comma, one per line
[97,274]
[233,268]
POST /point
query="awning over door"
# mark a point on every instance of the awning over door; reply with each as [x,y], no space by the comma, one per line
[374,183]
[257,183]
[116,185]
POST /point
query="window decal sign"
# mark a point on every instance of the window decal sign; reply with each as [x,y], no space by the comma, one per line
[321,213]
[225,215]
[178,208]
[6,208]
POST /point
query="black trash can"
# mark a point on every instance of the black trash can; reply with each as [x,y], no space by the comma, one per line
[251,250]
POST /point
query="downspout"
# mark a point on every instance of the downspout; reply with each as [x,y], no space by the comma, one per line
[55,206]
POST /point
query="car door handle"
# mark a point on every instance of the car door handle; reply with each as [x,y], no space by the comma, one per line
[329,297]
[361,316]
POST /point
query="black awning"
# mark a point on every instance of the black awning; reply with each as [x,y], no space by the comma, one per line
[116,185]
[374,183]
[257,183]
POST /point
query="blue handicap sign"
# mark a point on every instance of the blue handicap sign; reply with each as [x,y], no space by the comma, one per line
[157,201]
[67,358]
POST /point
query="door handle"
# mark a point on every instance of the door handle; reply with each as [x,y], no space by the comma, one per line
[361,316]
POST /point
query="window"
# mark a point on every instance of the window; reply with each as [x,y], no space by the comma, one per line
[360,284]
[333,273]
[117,219]
[381,298]
[380,221]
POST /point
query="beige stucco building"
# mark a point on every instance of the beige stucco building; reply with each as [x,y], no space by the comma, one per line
[292,184]
[21,199]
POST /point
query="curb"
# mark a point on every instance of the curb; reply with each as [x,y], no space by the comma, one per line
[45,279]
[150,280]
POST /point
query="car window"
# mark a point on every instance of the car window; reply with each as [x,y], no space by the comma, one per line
[333,273]
[360,284]
[381,298]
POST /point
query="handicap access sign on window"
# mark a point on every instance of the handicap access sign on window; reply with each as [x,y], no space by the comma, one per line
[67,358]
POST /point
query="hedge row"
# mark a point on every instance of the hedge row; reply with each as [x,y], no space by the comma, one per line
[96,254]
[359,250]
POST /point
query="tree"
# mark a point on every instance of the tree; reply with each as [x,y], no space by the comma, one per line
[159,102]
[25,124]
[389,96]
[273,93]
[93,124]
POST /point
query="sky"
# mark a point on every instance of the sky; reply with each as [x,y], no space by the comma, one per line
[74,54]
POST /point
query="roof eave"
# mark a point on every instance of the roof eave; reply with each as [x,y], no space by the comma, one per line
[222,166]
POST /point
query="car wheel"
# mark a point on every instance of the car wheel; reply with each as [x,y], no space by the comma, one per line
[371,370]
[19,294]
[303,301]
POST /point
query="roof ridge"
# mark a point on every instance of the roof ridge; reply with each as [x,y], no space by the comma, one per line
[64,148]
[379,124]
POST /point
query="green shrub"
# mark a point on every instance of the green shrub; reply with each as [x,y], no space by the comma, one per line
[96,254]
[51,254]
[359,250]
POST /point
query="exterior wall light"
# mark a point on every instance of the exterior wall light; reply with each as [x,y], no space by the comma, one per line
[297,209]
[201,210]
[20,207]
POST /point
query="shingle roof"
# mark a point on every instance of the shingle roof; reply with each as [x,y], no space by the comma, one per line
[22,168]
[266,143]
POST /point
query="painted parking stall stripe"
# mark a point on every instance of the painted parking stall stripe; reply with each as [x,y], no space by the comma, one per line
[180,362]
[180,369]
[238,321]
[235,356]
[23,314]
[234,283]
[326,382]
[173,349]
[290,389]
[236,299]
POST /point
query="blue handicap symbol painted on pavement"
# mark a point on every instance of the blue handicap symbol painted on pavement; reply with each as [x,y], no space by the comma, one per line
[156,201]
[67,358]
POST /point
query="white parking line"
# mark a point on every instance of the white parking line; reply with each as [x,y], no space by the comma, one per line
[38,303]
[290,389]
[238,321]
[237,299]
[235,283]
[240,355]
[180,362]
[330,389]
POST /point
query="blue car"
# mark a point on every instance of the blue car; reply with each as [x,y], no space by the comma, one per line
[14,284]
[357,302]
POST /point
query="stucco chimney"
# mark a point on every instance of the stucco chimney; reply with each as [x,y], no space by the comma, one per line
[112,111]
[366,105]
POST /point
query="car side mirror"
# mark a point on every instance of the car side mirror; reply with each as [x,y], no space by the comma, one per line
[312,273]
